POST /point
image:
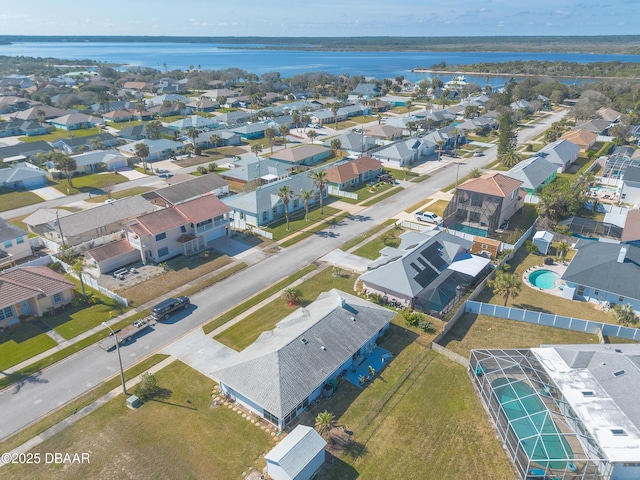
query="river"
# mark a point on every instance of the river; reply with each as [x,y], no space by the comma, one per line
[287,62]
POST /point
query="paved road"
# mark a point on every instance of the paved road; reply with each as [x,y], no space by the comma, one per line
[62,382]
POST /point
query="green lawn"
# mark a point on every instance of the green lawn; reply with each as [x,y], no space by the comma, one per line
[245,332]
[365,192]
[482,331]
[177,435]
[21,343]
[129,192]
[297,221]
[438,207]
[10,199]
[371,250]
[89,183]
[401,174]
[124,125]
[53,136]
[369,233]
[420,418]
[77,320]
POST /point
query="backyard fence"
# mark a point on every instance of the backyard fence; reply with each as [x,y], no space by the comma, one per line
[341,193]
[413,225]
[259,231]
[453,356]
[552,320]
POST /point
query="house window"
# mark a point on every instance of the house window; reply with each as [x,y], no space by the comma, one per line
[219,220]
[295,203]
[57,298]
[161,236]
[163,252]
[204,226]
[183,229]
[270,417]
[596,292]
[580,290]
[618,432]
[8,244]
[265,216]
[620,299]
[485,246]
[5,313]
[19,240]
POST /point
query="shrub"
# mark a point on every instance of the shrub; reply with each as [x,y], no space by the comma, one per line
[212,166]
[56,267]
[147,387]
[413,318]
[202,170]
[426,325]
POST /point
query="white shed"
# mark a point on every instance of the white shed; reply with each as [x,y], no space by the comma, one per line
[542,239]
[298,457]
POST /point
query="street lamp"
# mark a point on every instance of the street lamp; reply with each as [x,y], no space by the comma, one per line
[124,388]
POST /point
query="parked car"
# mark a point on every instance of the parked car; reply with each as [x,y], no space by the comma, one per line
[167,307]
[478,153]
[385,177]
[428,217]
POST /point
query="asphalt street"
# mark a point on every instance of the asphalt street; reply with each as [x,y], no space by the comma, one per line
[26,402]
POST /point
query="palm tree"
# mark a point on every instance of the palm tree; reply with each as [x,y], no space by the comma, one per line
[153,130]
[291,295]
[285,193]
[334,109]
[325,422]
[320,180]
[193,134]
[142,151]
[140,106]
[510,159]
[625,314]
[312,134]
[440,144]
[284,131]
[408,104]
[215,139]
[295,118]
[270,133]
[305,120]
[505,284]
[78,268]
[41,115]
[256,148]
[335,146]
[66,165]
[306,196]
[562,249]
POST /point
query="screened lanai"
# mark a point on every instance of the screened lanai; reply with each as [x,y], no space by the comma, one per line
[541,432]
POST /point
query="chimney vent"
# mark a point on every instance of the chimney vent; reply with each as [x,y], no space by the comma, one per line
[342,302]
[622,254]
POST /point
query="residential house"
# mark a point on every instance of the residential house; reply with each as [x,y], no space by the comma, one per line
[630,189]
[596,125]
[384,132]
[221,92]
[286,369]
[302,155]
[14,244]
[521,105]
[352,111]
[194,121]
[367,90]
[73,145]
[87,225]
[11,103]
[43,219]
[21,127]
[236,117]
[139,132]
[24,151]
[114,106]
[75,121]
[263,205]
[323,117]
[405,152]
[427,271]
[98,161]
[353,143]
[298,457]
[276,122]
[22,176]
[582,138]
[484,203]
[617,163]
[250,131]
[562,153]
[586,395]
[203,104]
[111,256]
[158,149]
[169,97]
[631,230]
[34,113]
[227,137]
[118,116]
[183,229]
[256,169]
[27,292]
[185,191]
[354,172]
[608,114]
[534,173]
[139,86]
[481,124]
[170,87]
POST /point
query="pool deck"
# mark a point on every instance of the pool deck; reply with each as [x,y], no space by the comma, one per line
[558,268]
[361,367]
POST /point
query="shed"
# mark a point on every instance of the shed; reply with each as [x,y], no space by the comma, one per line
[542,239]
[298,457]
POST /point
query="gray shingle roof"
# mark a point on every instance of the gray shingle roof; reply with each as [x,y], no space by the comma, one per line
[297,449]
[632,174]
[10,232]
[532,172]
[190,189]
[278,371]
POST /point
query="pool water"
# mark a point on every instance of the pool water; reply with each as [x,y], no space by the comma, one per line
[545,279]
[479,232]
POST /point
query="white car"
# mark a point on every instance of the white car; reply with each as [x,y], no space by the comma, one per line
[428,217]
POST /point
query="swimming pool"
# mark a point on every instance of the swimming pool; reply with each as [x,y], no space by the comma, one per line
[545,279]
[479,232]
[532,423]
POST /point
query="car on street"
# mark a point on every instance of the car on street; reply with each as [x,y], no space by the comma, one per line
[428,217]
[167,307]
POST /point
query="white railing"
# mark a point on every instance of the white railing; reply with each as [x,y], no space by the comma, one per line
[341,193]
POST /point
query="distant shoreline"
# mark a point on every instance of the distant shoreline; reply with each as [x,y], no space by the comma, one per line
[487,74]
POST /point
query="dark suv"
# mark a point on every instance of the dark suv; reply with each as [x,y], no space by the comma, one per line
[166,307]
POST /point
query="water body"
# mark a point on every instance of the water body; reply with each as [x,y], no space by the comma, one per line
[287,62]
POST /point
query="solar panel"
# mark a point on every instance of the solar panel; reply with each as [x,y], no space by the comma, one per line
[432,254]
[426,276]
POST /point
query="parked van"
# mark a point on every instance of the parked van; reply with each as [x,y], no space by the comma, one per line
[167,307]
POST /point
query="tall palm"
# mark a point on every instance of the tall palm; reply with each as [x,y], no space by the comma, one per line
[153,129]
[320,180]
[335,146]
[510,158]
[193,134]
[295,118]
[140,106]
[142,151]
[78,269]
[334,109]
[505,284]
[66,165]
[270,133]
[325,422]
[408,104]
[306,196]
[440,144]
[312,134]
[256,148]
[284,131]
[215,140]
[305,120]
[285,193]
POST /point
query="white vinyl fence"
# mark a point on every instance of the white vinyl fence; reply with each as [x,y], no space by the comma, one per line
[341,193]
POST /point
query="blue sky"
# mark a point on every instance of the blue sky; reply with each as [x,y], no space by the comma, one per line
[319,18]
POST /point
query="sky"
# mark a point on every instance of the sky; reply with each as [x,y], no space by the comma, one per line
[320,18]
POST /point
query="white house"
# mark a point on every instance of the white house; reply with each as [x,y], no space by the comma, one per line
[14,243]
[630,190]
[298,457]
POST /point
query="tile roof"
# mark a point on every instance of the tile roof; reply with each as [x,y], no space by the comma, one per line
[203,208]
[492,184]
[348,171]
[23,283]
[160,221]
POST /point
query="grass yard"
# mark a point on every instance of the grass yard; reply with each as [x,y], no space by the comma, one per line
[365,192]
[342,125]
[297,221]
[402,174]
[369,233]
[19,222]
[123,125]
[21,343]
[182,270]
[419,418]
[245,332]
[371,250]
[536,300]
[482,331]
[129,192]
[10,199]
[175,436]
[58,134]
[89,183]
[438,207]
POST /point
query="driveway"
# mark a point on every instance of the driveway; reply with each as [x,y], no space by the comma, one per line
[130,173]
[48,193]
[200,352]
